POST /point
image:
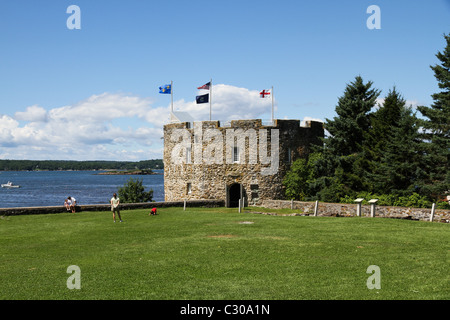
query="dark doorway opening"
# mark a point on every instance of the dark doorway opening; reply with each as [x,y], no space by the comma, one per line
[234,194]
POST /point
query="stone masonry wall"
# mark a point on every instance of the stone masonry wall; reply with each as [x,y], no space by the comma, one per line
[199,163]
[349,210]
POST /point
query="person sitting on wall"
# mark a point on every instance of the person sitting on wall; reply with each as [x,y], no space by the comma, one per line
[72,203]
[67,204]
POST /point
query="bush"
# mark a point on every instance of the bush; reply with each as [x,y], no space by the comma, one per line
[414,200]
[443,205]
[133,192]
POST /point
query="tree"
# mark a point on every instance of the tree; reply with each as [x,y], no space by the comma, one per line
[393,147]
[295,180]
[436,130]
[349,129]
[300,179]
[344,155]
[383,120]
[400,160]
[133,192]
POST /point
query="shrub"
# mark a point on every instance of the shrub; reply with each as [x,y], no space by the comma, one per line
[133,192]
[443,204]
[413,200]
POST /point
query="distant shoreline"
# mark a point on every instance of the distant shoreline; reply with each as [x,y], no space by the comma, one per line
[129,172]
[107,171]
[72,165]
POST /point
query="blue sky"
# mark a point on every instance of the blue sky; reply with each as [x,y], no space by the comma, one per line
[92,93]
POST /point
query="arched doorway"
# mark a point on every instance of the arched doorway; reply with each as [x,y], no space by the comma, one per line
[234,194]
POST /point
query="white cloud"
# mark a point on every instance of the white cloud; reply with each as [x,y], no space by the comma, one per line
[102,108]
[228,102]
[303,122]
[412,103]
[32,113]
[83,131]
[408,103]
[7,126]
[113,126]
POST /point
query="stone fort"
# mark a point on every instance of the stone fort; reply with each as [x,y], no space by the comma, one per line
[241,159]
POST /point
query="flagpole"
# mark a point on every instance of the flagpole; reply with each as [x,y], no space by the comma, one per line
[272,105]
[210,99]
[171,96]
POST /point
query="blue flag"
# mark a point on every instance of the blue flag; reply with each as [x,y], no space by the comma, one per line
[165,89]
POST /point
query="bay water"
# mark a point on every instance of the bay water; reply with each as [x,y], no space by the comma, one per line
[51,188]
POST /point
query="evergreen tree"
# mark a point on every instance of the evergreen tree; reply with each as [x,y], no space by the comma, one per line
[436,128]
[382,121]
[349,129]
[344,155]
[397,170]
[391,138]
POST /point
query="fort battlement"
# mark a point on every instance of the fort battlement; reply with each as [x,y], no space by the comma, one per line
[228,161]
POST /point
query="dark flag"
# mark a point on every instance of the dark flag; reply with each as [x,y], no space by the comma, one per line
[204,98]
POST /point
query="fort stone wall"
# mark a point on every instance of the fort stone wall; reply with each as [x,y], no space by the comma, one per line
[204,160]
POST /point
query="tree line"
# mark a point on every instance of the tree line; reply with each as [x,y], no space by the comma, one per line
[385,150]
[31,165]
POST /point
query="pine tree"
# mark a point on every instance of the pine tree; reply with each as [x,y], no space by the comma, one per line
[382,121]
[436,133]
[392,149]
[344,153]
[349,129]
[398,167]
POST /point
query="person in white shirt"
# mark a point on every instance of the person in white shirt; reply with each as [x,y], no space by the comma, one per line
[67,203]
[115,201]
[72,202]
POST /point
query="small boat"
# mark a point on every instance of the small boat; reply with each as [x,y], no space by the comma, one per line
[10,185]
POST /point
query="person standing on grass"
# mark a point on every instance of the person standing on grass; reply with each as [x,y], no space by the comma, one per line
[115,201]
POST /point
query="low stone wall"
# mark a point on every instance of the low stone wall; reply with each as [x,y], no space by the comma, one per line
[324,209]
[107,207]
[349,210]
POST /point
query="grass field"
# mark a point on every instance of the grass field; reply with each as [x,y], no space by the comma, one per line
[219,254]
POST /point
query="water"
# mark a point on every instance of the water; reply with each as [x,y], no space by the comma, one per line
[50,188]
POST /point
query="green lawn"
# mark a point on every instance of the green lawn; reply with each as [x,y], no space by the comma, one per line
[205,253]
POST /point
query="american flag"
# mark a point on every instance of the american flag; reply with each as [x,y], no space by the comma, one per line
[205,86]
